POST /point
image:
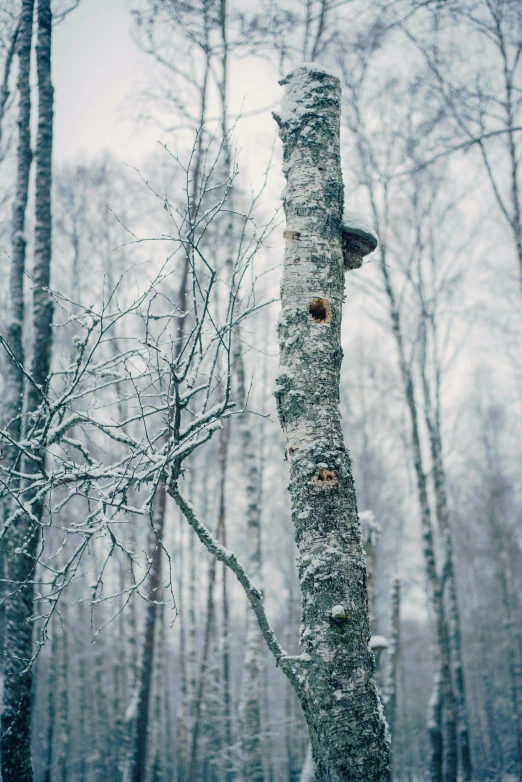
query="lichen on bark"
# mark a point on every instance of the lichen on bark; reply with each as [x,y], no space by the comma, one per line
[336,672]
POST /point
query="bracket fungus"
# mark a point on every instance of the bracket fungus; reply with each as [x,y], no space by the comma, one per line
[359,239]
[378,643]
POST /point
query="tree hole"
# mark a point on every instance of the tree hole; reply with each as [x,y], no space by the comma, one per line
[325,478]
[320,310]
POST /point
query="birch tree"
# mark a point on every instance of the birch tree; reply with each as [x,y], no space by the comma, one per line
[336,684]
[16,758]
[379,158]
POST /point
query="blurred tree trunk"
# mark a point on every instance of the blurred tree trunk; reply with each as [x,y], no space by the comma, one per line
[224,443]
[84,724]
[505,578]
[432,417]
[394,654]
[62,699]
[182,717]
[293,765]
[101,730]
[138,761]
[51,709]
[157,771]
[4,88]
[225,432]
[252,687]
[199,694]
[140,750]
[121,668]
[442,718]
[334,619]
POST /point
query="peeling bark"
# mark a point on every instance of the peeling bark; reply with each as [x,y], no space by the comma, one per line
[336,677]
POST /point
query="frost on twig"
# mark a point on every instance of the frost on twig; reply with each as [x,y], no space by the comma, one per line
[124,411]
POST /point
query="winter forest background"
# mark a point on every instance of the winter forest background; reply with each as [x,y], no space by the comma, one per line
[130,649]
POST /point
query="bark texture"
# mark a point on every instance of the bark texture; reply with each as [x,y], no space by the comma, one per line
[42,302]
[16,717]
[14,377]
[336,672]
[11,416]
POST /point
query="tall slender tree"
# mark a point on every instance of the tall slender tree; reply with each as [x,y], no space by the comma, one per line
[16,717]
[336,683]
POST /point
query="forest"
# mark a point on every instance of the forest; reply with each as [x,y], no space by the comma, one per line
[260,390]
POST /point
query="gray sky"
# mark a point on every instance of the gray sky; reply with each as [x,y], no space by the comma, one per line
[97,68]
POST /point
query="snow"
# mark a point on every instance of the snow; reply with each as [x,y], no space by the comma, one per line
[358,224]
[315,68]
[132,708]
[387,736]
[338,612]
[298,99]
[378,642]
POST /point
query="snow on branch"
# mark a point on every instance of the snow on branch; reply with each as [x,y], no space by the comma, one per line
[146,383]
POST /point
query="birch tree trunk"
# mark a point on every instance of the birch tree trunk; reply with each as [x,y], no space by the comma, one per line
[139,760]
[84,724]
[14,376]
[394,650]
[182,717]
[207,635]
[102,726]
[252,687]
[51,709]
[4,87]
[442,717]
[433,424]
[62,702]
[512,641]
[224,444]
[336,673]
[16,716]
[42,302]
[11,418]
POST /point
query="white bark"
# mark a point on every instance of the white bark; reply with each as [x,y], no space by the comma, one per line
[336,684]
